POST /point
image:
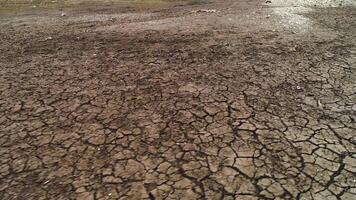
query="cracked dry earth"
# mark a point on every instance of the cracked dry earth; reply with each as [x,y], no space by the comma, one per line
[254,101]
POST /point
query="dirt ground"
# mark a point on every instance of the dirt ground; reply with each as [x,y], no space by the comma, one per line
[134,101]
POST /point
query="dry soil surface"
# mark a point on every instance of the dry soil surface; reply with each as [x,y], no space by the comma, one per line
[254,101]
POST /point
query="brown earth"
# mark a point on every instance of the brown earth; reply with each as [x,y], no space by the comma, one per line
[254,101]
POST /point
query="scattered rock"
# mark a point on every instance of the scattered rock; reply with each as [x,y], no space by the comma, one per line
[320,105]
[107,171]
[204,11]
[17,107]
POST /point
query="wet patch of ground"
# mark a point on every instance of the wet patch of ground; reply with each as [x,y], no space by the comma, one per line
[37,6]
[253,101]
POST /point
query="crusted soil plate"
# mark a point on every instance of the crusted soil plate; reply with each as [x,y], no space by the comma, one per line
[118,101]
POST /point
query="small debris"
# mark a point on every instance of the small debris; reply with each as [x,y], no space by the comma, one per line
[17,107]
[292,49]
[204,11]
[320,105]
[63,14]
[109,194]
[298,87]
[46,182]
[48,38]
[329,55]
[268,1]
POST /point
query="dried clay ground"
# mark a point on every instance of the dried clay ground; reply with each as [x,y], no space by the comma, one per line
[151,100]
